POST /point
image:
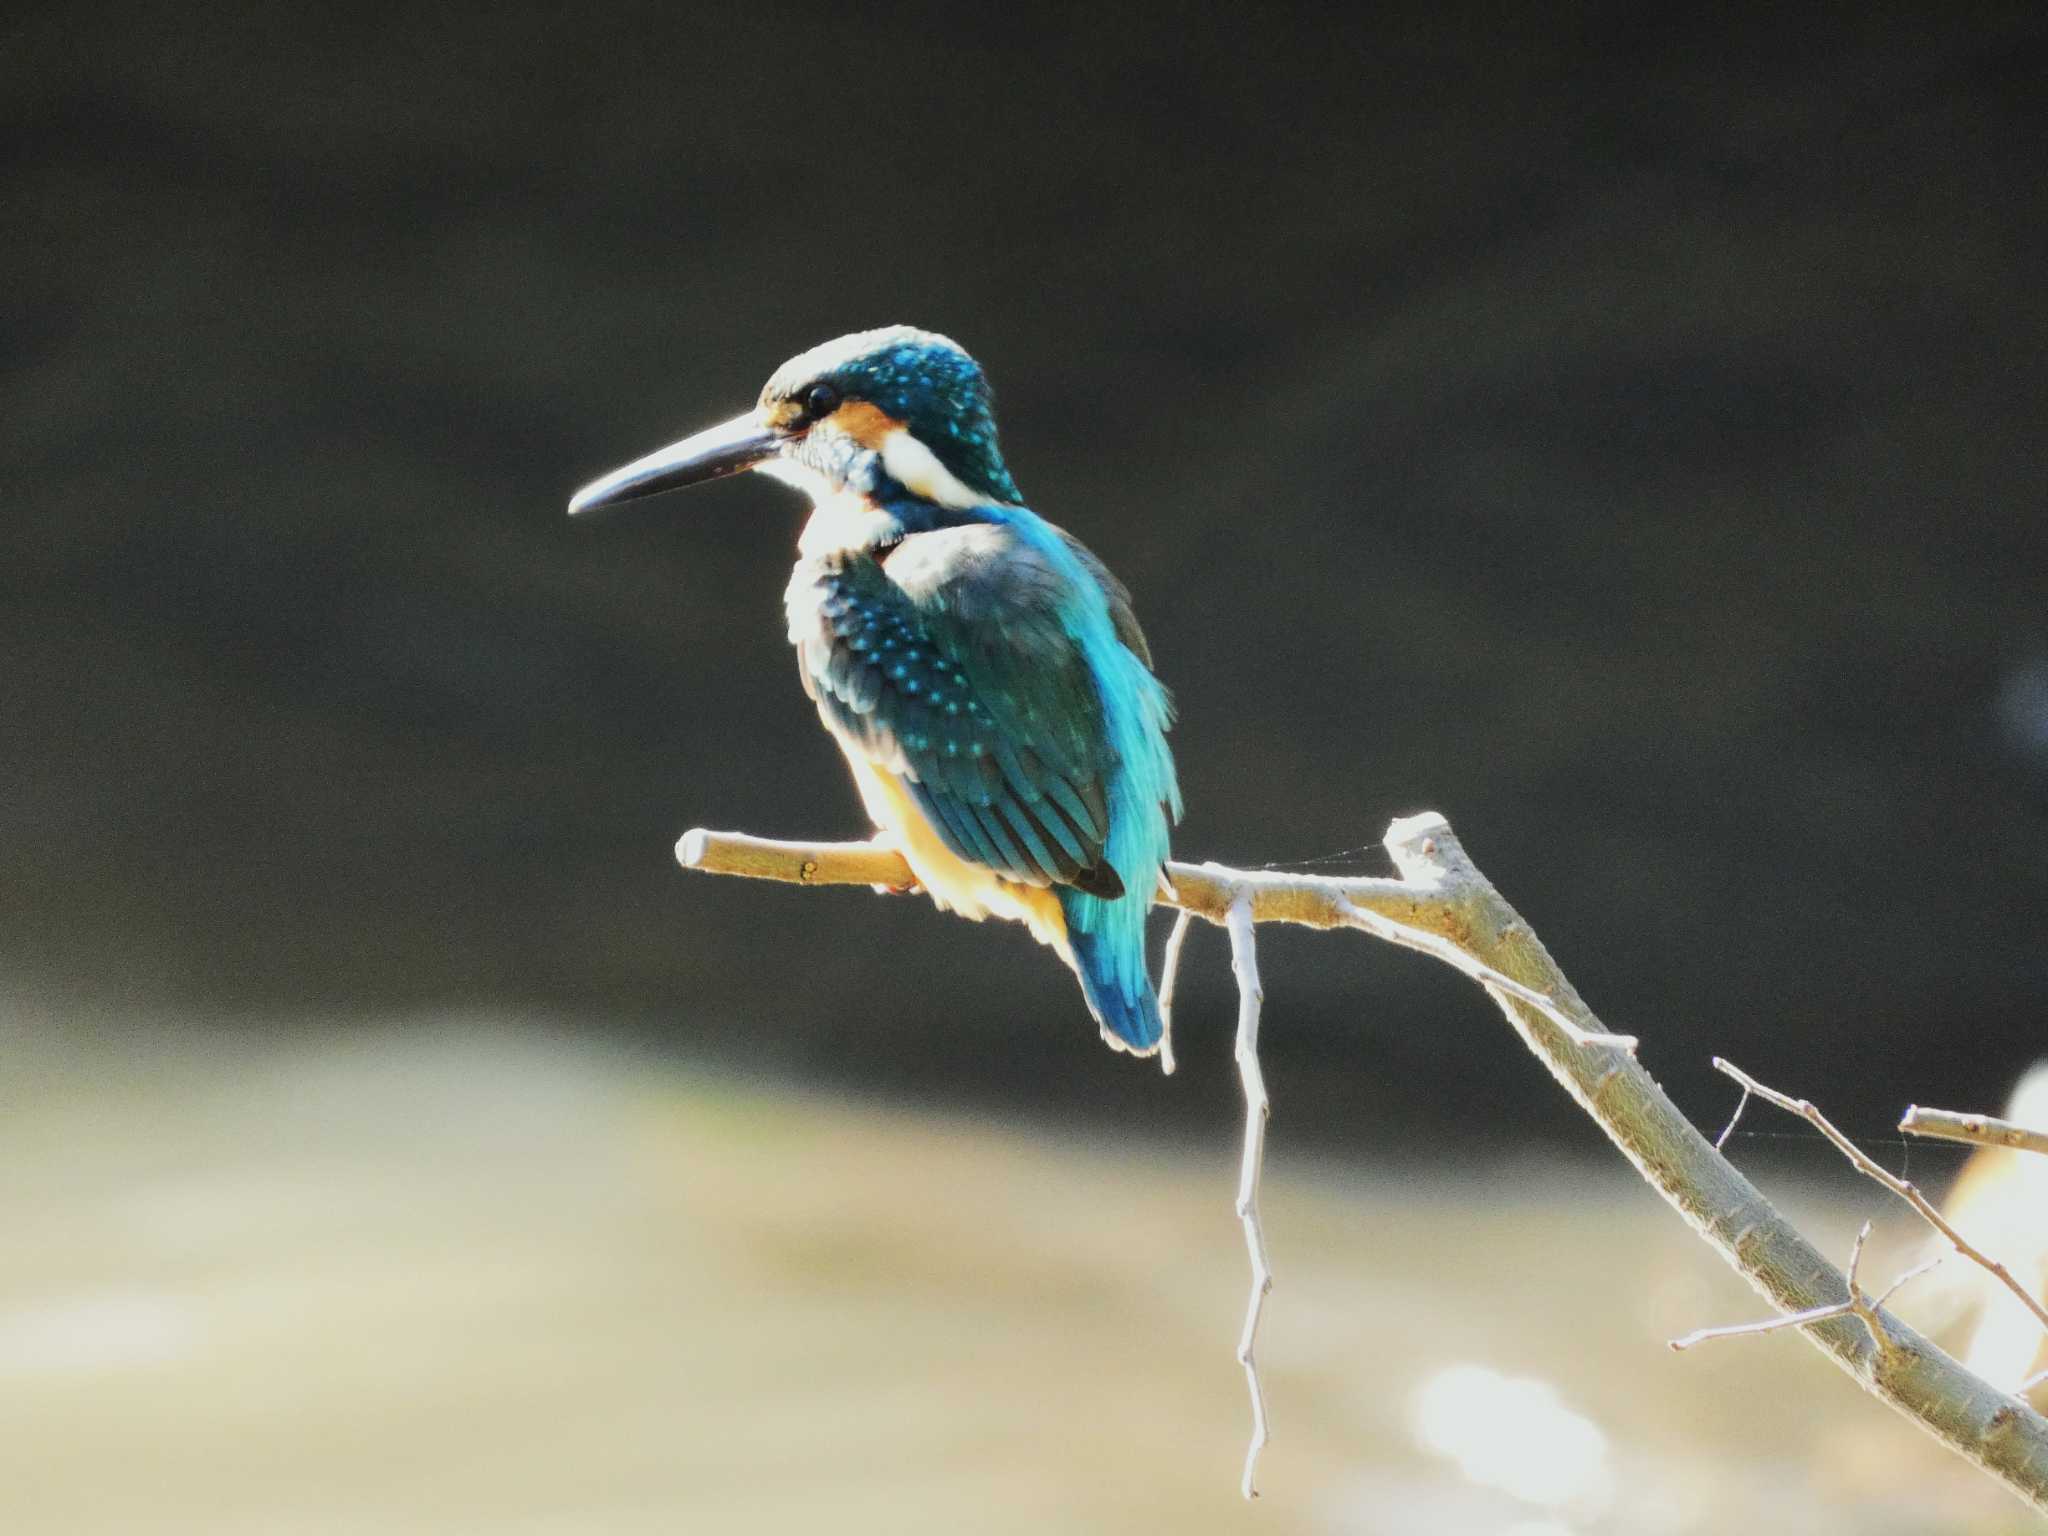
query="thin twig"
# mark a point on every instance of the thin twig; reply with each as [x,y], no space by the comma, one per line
[1734,1120]
[1856,1302]
[1868,1166]
[1244,961]
[1765,1325]
[1789,1319]
[1912,1274]
[1984,1130]
[1441,948]
[1169,983]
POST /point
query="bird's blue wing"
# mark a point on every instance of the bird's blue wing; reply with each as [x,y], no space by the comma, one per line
[950,663]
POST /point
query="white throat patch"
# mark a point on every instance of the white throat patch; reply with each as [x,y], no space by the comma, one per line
[845,519]
[918,470]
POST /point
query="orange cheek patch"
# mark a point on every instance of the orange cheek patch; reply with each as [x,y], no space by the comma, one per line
[866,424]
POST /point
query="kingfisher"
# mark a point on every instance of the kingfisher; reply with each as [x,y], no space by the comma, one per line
[980,668]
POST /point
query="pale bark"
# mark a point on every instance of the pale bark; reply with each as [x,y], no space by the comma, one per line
[1442,905]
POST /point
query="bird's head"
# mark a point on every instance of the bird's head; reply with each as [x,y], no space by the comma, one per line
[891,413]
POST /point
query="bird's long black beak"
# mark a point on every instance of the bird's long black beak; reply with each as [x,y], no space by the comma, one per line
[717,451]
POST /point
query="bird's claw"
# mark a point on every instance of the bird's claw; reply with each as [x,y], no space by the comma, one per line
[887,841]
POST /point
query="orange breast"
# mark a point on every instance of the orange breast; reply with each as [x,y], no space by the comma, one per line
[956,885]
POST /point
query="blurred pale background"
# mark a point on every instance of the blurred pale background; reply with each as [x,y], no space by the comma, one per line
[451,1274]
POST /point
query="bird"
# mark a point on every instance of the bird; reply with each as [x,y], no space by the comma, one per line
[980,668]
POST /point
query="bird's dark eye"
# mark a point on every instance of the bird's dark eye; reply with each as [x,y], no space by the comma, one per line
[820,401]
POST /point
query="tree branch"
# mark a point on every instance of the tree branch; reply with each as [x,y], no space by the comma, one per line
[1441,895]
[1169,983]
[1251,997]
[1389,909]
[1870,1168]
[1864,1308]
[1984,1130]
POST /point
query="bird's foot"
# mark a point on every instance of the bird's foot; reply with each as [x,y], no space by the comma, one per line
[889,842]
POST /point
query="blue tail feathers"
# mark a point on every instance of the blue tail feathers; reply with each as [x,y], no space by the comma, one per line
[1108,940]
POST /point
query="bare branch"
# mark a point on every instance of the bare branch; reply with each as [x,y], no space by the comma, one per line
[1169,983]
[1441,892]
[1734,1120]
[1441,948]
[1856,1302]
[1923,1267]
[1764,1325]
[1909,1193]
[1384,908]
[1787,1319]
[1984,1130]
[1251,995]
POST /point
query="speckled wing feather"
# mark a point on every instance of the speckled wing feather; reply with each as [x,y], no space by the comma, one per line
[948,664]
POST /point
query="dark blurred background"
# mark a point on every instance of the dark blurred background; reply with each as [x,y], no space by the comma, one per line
[1621,430]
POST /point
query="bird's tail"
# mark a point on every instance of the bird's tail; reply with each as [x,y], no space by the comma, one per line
[1108,943]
